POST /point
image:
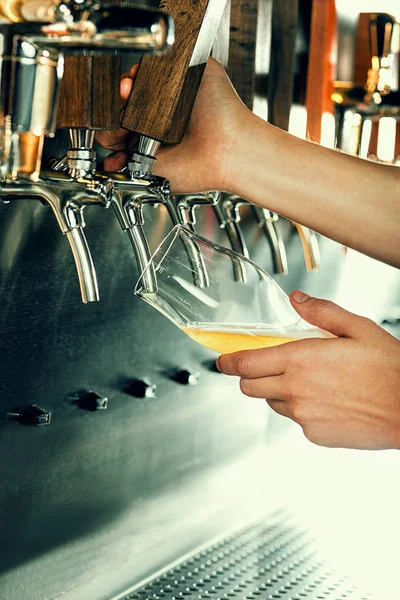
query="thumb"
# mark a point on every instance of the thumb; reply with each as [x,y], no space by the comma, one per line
[328,316]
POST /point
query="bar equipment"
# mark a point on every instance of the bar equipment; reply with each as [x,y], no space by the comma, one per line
[280,95]
[34,43]
[229,315]
[169,106]
[373,92]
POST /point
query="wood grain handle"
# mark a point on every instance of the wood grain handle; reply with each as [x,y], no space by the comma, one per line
[282,65]
[242,51]
[165,88]
[89,94]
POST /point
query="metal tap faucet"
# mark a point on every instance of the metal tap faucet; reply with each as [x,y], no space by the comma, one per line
[67,197]
[228,215]
[128,199]
[130,195]
[143,159]
[186,206]
[33,43]
[186,214]
[268,221]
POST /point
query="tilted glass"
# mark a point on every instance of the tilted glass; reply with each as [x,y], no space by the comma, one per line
[217,297]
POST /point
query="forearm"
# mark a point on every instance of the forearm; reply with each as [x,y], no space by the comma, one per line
[351,200]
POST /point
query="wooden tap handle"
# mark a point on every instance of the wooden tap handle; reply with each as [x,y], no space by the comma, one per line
[242,51]
[321,65]
[89,94]
[165,88]
[282,63]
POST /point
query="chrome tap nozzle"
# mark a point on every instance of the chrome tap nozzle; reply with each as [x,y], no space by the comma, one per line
[67,198]
[268,221]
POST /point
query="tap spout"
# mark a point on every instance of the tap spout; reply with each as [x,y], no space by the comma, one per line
[67,197]
[129,197]
[268,221]
[184,213]
[228,215]
[84,265]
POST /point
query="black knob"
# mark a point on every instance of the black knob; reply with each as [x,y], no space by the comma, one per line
[186,377]
[30,415]
[140,388]
[89,400]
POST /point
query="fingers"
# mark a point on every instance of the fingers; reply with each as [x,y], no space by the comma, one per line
[280,407]
[125,88]
[265,387]
[116,161]
[252,364]
[126,83]
[329,316]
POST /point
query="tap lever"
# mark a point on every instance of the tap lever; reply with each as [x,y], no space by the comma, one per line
[186,206]
[165,88]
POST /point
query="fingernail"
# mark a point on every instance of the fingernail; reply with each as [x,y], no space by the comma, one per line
[299,297]
[217,364]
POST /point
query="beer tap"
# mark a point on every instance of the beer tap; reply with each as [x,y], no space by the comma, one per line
[378,85]
[34,43]
[66,197]
[280,98]
[160,105]
[165,89]
[370,94]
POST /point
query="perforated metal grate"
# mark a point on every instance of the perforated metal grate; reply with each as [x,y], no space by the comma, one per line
[263,561]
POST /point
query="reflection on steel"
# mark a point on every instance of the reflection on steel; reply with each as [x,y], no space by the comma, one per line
[67,198]
[129,197]
[268,220]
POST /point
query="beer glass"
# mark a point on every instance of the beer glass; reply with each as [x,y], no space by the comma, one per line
[225,313]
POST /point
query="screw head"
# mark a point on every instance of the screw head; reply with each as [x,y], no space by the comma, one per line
[187,377]
[30,415]
[140,388]
[92,401]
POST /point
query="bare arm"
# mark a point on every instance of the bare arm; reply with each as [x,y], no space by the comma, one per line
[353,201]
[226,147]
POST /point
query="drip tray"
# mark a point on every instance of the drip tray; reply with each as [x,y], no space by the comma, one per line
[267,560]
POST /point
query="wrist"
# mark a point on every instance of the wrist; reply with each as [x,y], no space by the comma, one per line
[252,156]
[235,160]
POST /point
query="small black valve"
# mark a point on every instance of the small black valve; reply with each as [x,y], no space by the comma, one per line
[140,388]
[186,377]
[30,415]
[89,400]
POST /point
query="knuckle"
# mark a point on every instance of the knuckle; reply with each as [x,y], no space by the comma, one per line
[322,307]
[245,386]
[298,413]
[290,393]
[243,365]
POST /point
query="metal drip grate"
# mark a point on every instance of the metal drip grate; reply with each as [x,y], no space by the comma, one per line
[262,562]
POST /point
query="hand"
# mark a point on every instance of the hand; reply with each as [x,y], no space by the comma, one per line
[202,161]
[343,392]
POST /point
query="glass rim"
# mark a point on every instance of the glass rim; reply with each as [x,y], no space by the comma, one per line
[173,234]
